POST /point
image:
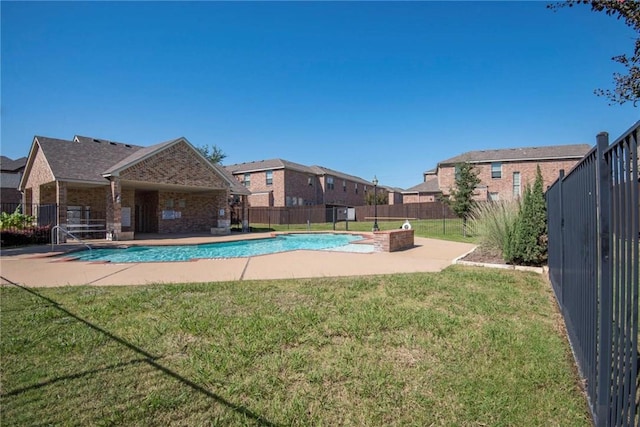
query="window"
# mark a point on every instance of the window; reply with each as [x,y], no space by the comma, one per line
[269,177]
[516,185]
[496,170]
[356,188]
[494,197]
[344,186]
[246,180]
[329,183]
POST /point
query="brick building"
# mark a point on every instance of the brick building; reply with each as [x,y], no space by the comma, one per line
[504,173]
[427,191]
[165,188]
[10,174]
[278,182]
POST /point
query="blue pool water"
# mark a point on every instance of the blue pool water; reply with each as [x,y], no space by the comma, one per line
[235,249]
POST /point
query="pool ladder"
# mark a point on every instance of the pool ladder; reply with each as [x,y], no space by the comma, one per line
[68,233]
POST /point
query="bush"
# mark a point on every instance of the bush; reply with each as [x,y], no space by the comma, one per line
[494,224]
[31,236]
[16,220]
[529,243]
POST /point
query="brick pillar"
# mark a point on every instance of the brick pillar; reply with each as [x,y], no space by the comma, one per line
[114,208]
[61,200]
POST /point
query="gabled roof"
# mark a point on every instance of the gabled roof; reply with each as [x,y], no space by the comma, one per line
[551,152]
[83,159]
[321,170]
[146,152]
[274,164]
[393,189]
[429,186]
[139,155]
[91,160]
[263,165]
[10,165]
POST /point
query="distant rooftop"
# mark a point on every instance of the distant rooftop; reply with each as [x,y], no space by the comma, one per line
[429,186]
[575,151]
[274,164]
[10,165]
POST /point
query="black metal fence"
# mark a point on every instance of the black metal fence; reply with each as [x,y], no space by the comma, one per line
[593,267]
[22,224]
[432,218]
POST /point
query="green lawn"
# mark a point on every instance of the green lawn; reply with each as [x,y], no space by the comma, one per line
[465,347]
[450,229]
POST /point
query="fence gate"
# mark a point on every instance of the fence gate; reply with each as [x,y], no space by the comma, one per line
[593,224]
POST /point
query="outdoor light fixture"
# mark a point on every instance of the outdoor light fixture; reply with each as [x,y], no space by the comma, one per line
[375,204]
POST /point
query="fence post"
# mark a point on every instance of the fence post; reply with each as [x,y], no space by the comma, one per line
[561,197]
[603,193]
[333,218]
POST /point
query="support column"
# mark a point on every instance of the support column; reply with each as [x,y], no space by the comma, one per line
[114,209]
[245,213]
[61,215]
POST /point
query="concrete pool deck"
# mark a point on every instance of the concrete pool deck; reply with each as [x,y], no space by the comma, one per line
[39,266]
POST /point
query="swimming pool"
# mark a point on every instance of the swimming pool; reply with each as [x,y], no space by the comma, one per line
[234,249]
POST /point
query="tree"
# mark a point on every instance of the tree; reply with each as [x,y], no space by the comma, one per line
[529,241]
[461,200]
[215,156]
[381,197]
[627,86]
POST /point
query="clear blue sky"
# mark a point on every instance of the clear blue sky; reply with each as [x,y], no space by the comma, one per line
[367,88]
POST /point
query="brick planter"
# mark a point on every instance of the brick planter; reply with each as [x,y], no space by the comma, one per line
[392,240]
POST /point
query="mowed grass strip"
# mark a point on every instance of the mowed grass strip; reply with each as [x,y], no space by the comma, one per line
[467,346]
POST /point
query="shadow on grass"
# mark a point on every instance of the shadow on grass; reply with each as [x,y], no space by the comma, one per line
[73,377]
[147,358]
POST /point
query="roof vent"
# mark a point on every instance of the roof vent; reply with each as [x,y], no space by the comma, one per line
[127,145]
[96,140]
[112,143]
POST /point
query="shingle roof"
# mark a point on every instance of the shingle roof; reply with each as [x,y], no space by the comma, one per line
[273,164]
[321,170]
[10,180]
[88,159]
[10,165]
[84,159]
[431,172]
[429,186]
[236,187]
[520,154]
[270,164]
